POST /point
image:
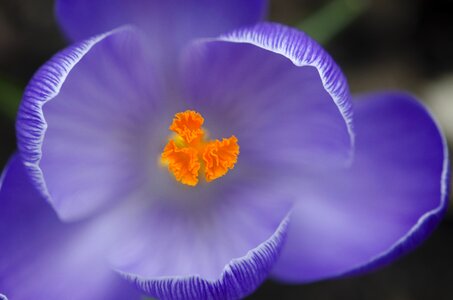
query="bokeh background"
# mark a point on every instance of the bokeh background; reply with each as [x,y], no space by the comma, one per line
[380,44]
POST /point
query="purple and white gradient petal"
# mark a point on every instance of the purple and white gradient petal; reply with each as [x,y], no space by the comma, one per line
[77,140]
[239,278]
[278,91]
[42,258]
[171,22]
[387,203]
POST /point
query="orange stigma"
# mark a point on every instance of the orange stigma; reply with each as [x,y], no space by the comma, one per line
[189,151]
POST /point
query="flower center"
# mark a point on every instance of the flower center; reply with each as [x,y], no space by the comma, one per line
[188,151]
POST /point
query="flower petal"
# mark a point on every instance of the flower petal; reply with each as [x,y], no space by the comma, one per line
[168,23]
[42,258]
[190,248]
[277,91]
[390,200]
[84,121]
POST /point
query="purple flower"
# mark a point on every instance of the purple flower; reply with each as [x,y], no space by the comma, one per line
[272,168]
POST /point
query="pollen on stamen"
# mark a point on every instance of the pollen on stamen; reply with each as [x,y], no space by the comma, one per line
[188,151]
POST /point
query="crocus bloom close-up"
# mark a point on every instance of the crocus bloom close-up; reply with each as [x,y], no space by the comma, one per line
[187,150]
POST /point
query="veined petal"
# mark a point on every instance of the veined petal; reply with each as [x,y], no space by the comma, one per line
[85,120]
[238,279]
[277,91]
[197,247]
[44,259]
[386,204]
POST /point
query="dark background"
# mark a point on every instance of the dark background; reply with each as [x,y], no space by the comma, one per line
[383,44]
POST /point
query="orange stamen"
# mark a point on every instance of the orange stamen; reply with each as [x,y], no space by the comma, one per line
[188,152]
[219,157]
[182,162]
[188,125]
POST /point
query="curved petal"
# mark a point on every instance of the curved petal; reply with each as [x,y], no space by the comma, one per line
[277,91]
[239,278]
[175,18]
[191,248]
[83,121]
[169,24]
[390,200]
[42,258]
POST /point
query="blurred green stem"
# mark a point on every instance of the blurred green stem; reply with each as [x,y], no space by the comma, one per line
[10,96]
[332,19]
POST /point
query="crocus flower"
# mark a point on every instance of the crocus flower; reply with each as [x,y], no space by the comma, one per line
[183,150]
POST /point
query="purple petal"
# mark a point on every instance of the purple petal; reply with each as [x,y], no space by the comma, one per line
[169,24]
[205,244]
[277,90]
[84,121]
[42,258]
[390,200]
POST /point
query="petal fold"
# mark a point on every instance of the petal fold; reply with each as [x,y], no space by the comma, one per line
[388,202]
